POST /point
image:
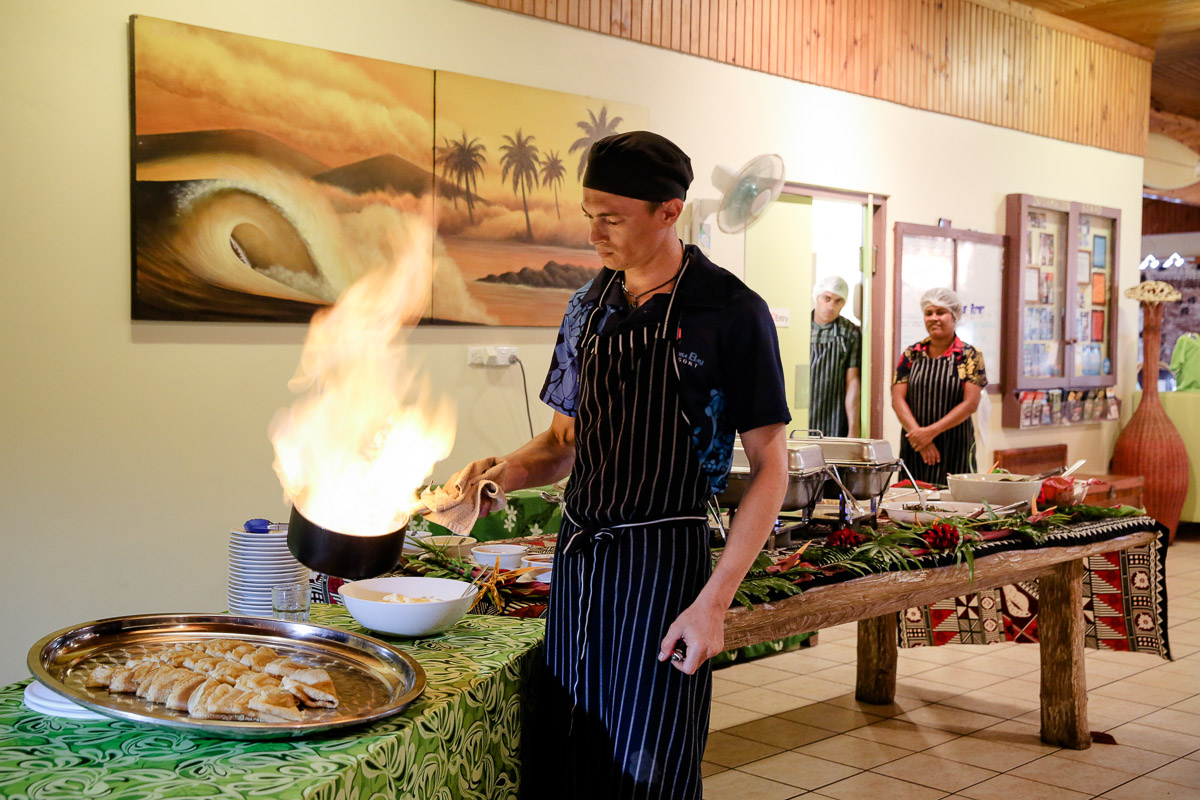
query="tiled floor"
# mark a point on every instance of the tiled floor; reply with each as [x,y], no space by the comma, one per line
[964,723]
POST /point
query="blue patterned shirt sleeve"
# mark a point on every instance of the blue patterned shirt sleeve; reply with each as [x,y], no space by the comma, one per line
[561,389]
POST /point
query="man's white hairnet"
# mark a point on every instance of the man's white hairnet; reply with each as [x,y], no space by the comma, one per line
[944,298]
[832,284]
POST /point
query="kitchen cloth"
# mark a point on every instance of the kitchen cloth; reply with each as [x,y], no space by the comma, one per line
[456,505]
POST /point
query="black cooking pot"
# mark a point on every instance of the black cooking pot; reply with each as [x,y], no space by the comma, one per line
[341,554]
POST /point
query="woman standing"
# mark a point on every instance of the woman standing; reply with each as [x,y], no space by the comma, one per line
[936,389]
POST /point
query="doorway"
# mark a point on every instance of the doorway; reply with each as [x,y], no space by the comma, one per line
[811,234]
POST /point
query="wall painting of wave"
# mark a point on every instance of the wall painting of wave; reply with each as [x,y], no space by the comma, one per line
[267,177]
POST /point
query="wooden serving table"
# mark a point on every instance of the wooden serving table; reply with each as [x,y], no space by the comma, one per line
[873,601]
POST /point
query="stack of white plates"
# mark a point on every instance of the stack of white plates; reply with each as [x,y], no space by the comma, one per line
[258,561]
[39,698]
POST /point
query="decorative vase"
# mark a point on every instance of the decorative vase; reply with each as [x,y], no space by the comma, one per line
[1150,445]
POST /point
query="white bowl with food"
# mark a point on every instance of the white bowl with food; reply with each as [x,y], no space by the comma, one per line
[997,488]
[913,513]
[404,606]
[503,556]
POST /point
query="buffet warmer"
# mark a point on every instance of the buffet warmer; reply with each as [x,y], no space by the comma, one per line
[861,468]
[806,476]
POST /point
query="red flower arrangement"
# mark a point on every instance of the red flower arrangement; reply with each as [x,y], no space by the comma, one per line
[845,538]
[942,536]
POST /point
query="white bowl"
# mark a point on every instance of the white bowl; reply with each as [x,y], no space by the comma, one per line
[941,509]
[545,560]
[504,556]
[454,545]
[364,600]
[996,488]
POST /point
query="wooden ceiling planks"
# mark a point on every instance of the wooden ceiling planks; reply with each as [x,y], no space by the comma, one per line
[994,61]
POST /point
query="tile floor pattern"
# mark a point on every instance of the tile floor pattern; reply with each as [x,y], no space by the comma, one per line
[964,723]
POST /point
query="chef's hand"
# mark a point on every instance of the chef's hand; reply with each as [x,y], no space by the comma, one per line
[699,633]
[930,455]
[920,438]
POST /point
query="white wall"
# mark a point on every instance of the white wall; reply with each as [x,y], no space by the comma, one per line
[131,448]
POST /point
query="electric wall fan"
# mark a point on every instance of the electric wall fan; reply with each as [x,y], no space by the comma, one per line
[745,195]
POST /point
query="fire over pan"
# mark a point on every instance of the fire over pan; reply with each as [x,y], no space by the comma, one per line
[342,555]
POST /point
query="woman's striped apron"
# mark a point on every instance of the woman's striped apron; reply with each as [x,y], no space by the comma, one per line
[632,555]
[934,388]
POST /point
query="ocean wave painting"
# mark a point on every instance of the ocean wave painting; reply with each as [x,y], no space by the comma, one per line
[268,177]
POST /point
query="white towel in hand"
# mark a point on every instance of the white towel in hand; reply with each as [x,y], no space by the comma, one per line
[456,505]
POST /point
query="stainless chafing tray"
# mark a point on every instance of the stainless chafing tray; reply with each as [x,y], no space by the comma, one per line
[373,679]
[801,456]
[839,450]
[865,466]
[803,489]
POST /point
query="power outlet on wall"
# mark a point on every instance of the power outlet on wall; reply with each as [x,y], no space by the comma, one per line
[491,356]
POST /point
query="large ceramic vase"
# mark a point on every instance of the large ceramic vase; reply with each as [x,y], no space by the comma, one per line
[1150,445]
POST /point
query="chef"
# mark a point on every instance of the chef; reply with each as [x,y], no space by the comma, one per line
[835,353]
[660,359]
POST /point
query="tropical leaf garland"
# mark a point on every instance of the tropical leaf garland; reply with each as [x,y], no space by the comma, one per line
[896,546]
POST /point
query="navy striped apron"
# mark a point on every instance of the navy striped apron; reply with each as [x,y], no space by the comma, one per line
[934,388]
[828,355]
[632,555]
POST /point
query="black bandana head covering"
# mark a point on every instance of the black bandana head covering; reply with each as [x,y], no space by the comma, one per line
[638,164]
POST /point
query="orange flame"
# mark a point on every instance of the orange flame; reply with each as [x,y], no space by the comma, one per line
[354,451]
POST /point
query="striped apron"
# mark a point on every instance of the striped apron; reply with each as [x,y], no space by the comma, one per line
[632,555]
[934,388]
[827,382]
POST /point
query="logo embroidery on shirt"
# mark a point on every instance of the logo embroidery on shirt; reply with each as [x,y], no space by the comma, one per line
[691,360]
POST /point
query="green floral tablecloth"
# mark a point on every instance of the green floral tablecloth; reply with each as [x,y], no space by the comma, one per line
[526,514]
[460,739]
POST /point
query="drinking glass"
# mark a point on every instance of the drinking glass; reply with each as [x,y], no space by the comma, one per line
[290,601]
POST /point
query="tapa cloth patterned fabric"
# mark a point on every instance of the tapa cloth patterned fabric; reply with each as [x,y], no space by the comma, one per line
[1124,602]
[460,739]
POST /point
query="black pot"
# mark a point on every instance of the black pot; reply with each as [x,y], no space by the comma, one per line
[341,554]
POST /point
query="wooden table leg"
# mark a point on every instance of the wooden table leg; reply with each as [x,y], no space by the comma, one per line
[877,656]
[1060,631]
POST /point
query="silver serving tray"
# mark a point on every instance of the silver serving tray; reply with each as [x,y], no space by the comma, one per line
[801,457]
[803,489]
[373,679]
[841,450]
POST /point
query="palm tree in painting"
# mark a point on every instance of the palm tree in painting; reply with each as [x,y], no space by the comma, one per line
[593,131]
[449,168]
[552,176]
[464,159]
[521,158]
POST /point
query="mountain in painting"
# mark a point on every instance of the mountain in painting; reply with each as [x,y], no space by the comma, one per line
[236,141]
[386,173]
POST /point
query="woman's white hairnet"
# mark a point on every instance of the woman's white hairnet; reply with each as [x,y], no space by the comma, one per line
[944,298]
[832,284]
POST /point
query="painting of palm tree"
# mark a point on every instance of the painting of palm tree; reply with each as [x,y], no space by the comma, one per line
[552,176]
[463,160]
[514,245]
[594,129]
[522,160]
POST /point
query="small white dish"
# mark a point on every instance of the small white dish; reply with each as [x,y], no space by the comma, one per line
[503,556]
[538,560]
[450,600]
[940,509]
[40,699]
[541,576]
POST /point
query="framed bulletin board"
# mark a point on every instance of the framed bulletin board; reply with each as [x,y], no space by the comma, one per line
[970,263]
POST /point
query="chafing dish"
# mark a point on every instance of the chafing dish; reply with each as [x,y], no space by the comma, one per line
[866,466]
[806,476]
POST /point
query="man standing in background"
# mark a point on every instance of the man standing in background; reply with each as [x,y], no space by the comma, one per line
[834,355]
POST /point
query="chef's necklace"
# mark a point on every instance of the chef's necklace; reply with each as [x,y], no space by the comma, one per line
[635,299]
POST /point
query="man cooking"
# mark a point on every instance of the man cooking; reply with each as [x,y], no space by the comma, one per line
[659,360]
[835,349]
